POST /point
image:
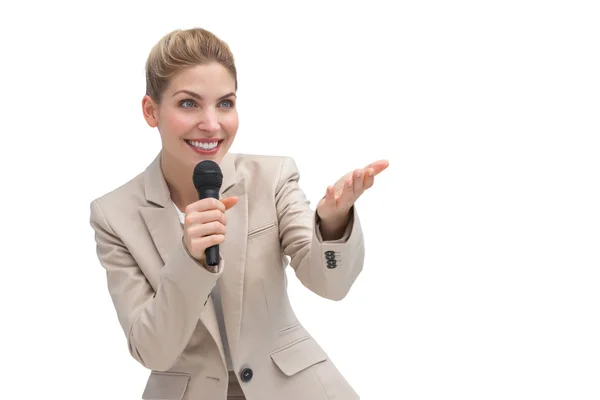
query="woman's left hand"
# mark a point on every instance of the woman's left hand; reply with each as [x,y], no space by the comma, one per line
[334,208]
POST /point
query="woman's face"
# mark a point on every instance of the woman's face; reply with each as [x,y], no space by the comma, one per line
[197,118]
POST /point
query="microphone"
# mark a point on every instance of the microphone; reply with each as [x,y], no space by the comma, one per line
[208,179]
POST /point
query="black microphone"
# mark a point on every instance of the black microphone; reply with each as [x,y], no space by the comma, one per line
[208,179]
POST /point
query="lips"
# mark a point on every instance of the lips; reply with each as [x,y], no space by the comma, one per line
[204,146]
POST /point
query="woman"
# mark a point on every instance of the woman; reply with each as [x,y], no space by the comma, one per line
[210,332]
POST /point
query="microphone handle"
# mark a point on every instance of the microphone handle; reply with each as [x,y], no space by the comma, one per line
[212,252]
[212,255]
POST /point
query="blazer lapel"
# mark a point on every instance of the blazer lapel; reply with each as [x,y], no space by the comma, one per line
[233,250]
[164,227]
[160,216]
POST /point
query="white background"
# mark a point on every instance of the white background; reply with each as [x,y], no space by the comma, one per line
[481,278]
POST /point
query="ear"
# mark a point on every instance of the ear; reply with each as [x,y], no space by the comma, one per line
[150,110]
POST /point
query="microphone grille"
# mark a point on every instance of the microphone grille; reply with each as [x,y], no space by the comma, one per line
[207,173]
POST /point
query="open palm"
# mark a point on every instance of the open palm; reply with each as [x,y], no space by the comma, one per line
[340,197]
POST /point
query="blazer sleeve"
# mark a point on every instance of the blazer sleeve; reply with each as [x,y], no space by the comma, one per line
[328,268]
[158,323]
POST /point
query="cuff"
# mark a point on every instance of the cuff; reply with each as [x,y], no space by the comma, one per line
[346,234]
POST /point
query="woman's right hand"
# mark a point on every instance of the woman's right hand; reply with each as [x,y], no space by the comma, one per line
[205,225]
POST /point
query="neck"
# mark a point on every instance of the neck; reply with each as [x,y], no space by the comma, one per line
[179,180]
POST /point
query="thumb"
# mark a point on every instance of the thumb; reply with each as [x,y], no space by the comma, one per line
[229,202]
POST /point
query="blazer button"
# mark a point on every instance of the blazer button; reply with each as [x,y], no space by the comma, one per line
[246,374]
[331,261]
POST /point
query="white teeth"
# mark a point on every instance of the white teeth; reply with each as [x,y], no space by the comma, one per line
[203,146]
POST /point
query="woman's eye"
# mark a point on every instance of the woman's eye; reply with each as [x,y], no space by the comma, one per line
[226,103]
[187,103]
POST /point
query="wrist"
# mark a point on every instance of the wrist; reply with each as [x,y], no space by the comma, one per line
[201,261]
[333,228]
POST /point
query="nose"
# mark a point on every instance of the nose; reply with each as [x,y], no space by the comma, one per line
[209,121]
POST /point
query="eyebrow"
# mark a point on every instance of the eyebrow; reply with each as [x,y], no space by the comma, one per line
[197,96]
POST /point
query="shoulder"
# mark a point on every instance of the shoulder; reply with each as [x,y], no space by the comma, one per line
[273,167]
[120,203]
[259,161]
[130,189]
[268,173]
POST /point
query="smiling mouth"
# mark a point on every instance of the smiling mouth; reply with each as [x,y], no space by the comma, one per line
[204,145]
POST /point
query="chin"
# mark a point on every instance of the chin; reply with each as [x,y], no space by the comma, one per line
[216,158]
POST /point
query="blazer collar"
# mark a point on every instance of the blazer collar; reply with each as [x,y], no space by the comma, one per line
[157,191]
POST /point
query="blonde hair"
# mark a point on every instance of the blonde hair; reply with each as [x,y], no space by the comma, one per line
[181,49]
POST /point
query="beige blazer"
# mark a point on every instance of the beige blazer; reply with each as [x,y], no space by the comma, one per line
[162,296]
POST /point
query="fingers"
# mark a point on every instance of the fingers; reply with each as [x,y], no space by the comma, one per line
[204,205]
[358,182]
[347,196]
[205,224]
[378,166]
[229,202]
[330,197]
[212,204]
[369,178]
[202,217]
[203,243]
[197,237]
[205,229]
